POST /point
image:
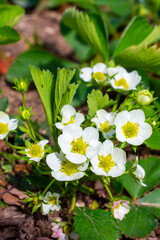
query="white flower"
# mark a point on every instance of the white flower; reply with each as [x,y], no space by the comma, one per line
[78,144]
[139,173]
[131,128]
[6,125]
[98,72]
[58,232]
[64,170]
[122,79]
[120,209]
[50,202]
[36,151]
[110,161]
[69,115]
[103,122]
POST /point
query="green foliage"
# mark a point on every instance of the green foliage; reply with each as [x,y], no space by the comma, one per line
[153,142]
[38,58]
[96,101]
[44,84]
[10,15]
[90,27]
[134,50]
[136,31]
[96,224]
[143,57]
[152,202]
[8,35]
[151,166]
[82,50]
[138,222]
[3,104]
[64,91]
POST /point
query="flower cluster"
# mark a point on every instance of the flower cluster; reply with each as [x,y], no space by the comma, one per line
[117,77]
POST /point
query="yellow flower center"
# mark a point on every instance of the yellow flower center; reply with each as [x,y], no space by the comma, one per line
[3,128]
[130,129]
[106,162]
[122,83]
[52,200]
[99,76]
[70,121]
[69,168]
[105,127]
[79,146]
[35,150]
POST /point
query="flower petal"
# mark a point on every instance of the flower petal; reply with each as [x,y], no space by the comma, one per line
[100,67]
[76,158]
[4,118]
[13,123]
[53,160]
[86,74]
[119,156]
[116,171]
[90,134]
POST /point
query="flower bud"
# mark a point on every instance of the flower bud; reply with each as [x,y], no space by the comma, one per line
[26,115]
[21,85]
[144,97]
[120,209]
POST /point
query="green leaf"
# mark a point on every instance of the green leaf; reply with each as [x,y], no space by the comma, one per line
[10,15]
[143,57]
[153,142]
[96,224]
[136,31]
[96,101]
[8,35]
[90,27]
[82,50]
[7,166]
[138,222]
[3,104]
[38,58]
[152,202]
[151,166]
[62,88]
[44,84]
[69,94]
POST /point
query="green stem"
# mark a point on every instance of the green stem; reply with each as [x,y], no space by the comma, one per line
[48,186]
[108,190]
[23,99]
[132,5]
[117,102]
[33,136]
[12,146]
[89,189]
[72,207]
[8,155]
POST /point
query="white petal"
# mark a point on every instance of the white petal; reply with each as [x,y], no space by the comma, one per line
[43,143]
[96,121]
[122,118]
[72,131]
[99,171]
[109,134]
[86,74]
[65,144]
[119,156]
[116,171]
[76,158]
[119,135]
[145,130]
[137,116]
[60,176]
[53,160]
[100,67]
[102,115]
[59,125]
[46,208]
[90,134]
[13,123]
[4,118]
[36,159]
[106,148]
[93,150]
[79,118]
[135,79]
[83,166]
[67,112]
[2,136]
[94,161]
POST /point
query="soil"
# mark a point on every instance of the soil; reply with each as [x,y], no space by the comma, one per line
[16,220]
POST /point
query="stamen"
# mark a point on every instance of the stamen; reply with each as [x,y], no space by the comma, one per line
[79,146]
[35,150]
[122,83]
[99,76]
[130,129]
[105,127]
[3,128]
[106,162]
[69,168]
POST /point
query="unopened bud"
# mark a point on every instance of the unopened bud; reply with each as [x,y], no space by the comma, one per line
[144,97]
[21,85]
[26,114]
